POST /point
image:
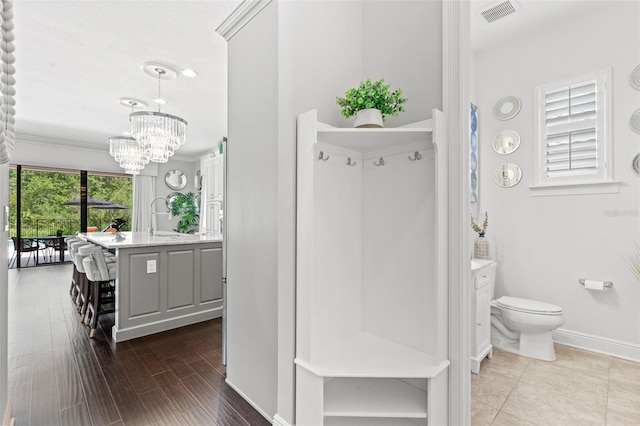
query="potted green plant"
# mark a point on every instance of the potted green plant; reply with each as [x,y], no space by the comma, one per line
[184,206]
[371,102]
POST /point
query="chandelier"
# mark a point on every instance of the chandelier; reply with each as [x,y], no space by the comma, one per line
[125,149]
[158,134]
[128,153]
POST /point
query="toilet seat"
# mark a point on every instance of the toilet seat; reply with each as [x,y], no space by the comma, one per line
[528,306]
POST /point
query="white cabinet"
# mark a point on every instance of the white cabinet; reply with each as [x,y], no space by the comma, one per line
[483,280]
[212,193]
[371,294]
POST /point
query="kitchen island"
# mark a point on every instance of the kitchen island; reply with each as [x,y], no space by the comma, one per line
[164,281]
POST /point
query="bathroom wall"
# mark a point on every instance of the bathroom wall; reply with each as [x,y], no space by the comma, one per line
[544,244]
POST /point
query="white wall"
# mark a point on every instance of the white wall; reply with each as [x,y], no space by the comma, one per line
[543,245]
[251,216]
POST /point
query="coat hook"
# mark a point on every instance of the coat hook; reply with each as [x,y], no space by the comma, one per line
[416,156]
[350,162]
[322,157]
[379,163]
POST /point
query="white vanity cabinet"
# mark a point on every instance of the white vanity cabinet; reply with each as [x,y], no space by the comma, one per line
[371,323]
[483,280]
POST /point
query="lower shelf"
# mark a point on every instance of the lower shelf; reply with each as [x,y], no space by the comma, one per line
[364,421]
[365,397]
[367,355]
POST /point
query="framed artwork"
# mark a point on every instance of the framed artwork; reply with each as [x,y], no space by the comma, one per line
[473,149]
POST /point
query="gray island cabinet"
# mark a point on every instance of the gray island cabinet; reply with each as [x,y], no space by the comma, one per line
[164,281]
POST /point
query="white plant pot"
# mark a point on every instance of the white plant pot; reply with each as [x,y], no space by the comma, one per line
[368,118]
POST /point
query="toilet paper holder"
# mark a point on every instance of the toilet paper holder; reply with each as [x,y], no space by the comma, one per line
[607,284]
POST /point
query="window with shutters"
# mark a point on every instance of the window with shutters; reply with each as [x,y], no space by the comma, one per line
[574,131]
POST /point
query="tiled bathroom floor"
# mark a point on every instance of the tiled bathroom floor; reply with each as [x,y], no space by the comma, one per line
[578,388]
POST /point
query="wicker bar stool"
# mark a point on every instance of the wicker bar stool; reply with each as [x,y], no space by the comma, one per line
[101,276]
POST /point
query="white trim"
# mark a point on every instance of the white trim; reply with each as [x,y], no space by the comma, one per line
[279,421]
[577,188]
[603,345]
[456,100]
[246,398]
[240,17]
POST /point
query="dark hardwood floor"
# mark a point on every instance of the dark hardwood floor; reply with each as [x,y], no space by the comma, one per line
[58,376]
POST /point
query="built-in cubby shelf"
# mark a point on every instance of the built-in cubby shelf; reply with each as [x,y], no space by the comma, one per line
[368,139]
[371,289]
[368,421]
[357,397]
[367,355]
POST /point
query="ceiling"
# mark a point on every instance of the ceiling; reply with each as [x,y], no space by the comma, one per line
[76,59]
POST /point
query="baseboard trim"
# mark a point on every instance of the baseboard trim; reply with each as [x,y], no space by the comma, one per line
[246,398]
[597,344]
[279,421]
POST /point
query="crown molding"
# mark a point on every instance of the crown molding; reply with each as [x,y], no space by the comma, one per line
[43,140]
[240,17]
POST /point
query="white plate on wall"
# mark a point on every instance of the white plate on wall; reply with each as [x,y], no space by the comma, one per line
[634,121]
[507,108]
[635,164]
[507,175]
[506,142]
[634,78]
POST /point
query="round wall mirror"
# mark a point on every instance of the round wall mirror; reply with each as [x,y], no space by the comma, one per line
[507,175]
[507,108]
[175,179]
[171,198]
[506,142]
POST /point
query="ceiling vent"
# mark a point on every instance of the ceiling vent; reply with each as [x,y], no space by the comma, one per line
[499,10]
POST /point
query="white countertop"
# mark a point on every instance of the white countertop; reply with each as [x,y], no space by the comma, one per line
[143,239]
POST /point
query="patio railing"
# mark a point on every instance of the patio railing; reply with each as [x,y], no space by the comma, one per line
[44,227]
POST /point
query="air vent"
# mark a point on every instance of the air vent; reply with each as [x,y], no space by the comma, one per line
[499,10]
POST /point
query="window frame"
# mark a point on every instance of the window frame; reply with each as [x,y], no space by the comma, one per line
[602,181]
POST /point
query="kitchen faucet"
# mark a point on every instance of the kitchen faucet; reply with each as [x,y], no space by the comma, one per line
[152,213]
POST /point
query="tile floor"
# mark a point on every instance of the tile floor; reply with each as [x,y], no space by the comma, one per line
[579,388]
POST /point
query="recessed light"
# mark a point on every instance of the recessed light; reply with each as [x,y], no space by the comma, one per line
[160,101]
[189,73]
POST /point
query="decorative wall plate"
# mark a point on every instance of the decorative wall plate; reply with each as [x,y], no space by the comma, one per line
[171,198]
[507,175]
[507,107]
[634,121]
[635,164]
[634,78]
[506,142]
[175,179]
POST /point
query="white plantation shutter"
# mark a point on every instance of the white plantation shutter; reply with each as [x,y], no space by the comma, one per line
[571,131]
[573,126]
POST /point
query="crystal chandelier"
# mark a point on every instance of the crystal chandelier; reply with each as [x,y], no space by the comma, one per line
[158,134]
[128,153]
[125,149]
[7,83]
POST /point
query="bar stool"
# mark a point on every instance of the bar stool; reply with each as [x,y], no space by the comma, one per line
[81,283]
[69,241]
[101,276]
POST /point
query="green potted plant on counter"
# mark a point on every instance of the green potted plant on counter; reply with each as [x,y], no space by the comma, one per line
[184,206]
[371,102]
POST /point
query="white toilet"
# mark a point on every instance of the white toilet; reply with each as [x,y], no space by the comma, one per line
[524,326]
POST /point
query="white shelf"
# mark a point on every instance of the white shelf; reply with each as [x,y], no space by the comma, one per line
[355,421]
[367,355]
[367,139]
[350,397]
